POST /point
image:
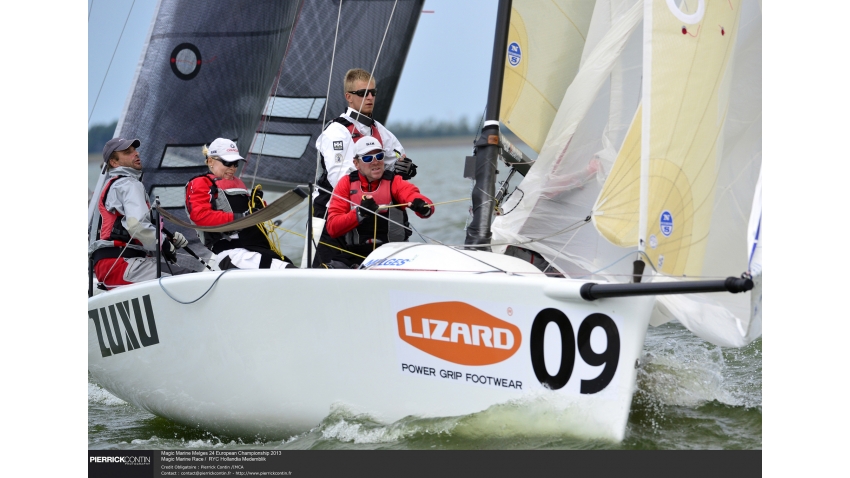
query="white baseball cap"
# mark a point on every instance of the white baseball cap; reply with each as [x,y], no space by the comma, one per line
[367,144]
[225,149]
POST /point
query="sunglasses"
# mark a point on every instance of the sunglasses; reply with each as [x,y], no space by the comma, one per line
[363,92]
[227,164]
[369,157]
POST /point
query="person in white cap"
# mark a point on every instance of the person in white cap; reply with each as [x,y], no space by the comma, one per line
[123,237]
[355,211]
[335,145]
[219,197]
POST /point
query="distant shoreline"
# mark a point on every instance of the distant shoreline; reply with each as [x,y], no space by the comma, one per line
[406,142]
[436,141]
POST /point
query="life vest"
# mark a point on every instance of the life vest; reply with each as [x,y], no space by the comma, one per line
[235,195]
[111,228]
[230,195]
[322,199]
[356,135]
[386,231]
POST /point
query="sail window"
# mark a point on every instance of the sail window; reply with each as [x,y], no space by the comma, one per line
[300,108]
[169,196]
[283,145]
[182,157]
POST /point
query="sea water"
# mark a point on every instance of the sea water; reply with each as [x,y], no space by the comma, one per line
[690,394]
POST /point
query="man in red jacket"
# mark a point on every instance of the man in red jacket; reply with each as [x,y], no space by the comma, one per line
[358,209]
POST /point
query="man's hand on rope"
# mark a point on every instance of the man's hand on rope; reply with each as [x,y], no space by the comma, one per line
[367,203]
[421,207]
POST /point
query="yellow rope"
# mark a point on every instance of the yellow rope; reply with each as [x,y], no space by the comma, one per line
[429,205]
[320,242]
[268,227]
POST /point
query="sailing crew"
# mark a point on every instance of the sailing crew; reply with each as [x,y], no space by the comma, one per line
[355,212]
[219,197]
[123,250]
[336,146]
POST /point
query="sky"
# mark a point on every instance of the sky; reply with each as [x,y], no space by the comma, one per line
[469,24]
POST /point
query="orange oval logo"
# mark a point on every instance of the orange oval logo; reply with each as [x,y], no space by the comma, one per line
[459,333]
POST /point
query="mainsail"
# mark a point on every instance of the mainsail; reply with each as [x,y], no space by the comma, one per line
[256,72]
[205,72]
[283,149]
[658,142]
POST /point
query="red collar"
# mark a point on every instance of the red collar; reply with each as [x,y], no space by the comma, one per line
[371,185]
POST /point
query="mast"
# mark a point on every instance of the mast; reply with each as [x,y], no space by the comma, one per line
[487,147]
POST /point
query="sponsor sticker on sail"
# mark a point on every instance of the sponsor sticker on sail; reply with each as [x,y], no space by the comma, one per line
[666,223]
[514,54]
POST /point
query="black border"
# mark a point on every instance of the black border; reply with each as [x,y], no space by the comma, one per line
[464,463]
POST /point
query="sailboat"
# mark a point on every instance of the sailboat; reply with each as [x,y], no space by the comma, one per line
[642,205]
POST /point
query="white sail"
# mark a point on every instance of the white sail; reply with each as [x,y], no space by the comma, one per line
[559,191]
[699,130]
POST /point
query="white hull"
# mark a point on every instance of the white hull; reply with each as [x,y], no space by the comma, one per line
[271,352]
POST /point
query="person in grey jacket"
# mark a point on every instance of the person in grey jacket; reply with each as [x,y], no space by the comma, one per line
[123,248]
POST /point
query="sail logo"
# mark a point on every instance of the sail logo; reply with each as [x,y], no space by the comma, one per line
[185,61]
[459,333]
[666,222]
[514,54]
[117,329]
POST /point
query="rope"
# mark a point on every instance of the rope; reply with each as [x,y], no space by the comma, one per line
[267,227]
[561,250]
[429,205]
[380,47]
[199,298]
[375,233]
[420,234]
[274,98]
[327,95]
[330,76]
[110,60]
[275,228]
[362,209]
[569,228]
[450,247]
[517,203]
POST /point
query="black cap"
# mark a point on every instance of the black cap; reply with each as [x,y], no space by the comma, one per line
[118,144]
